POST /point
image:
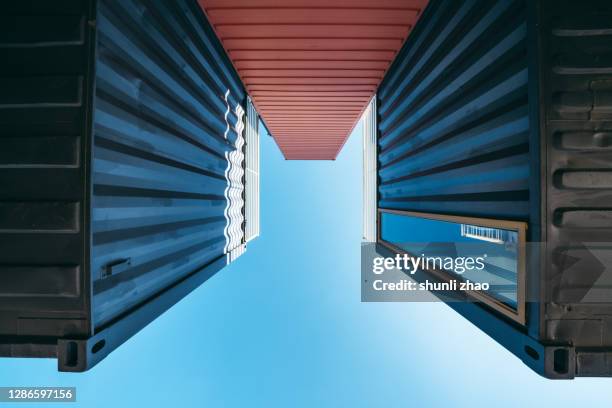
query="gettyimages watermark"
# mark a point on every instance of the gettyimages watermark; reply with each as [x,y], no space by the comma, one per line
[411,263]
[451,271]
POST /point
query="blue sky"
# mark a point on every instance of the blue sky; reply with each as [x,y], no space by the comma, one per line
[284,326]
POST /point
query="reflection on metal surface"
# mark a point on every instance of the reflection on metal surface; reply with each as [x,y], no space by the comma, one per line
[437,236]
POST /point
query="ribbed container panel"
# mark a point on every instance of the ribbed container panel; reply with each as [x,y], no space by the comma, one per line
[453,114]
[44,75]
[577,92]
[166,121]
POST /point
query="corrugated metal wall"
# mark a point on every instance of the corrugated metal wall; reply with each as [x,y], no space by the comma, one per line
[370,130]
[577,93]
[252,172]
[453,111]
[168,109]
[44,75]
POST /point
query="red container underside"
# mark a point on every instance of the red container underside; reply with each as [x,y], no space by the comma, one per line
[311,66]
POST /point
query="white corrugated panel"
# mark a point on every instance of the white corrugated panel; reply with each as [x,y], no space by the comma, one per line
[252,172]
[234,174]
[369,172]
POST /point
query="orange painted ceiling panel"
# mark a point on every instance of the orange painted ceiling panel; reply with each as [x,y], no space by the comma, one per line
[311,66]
